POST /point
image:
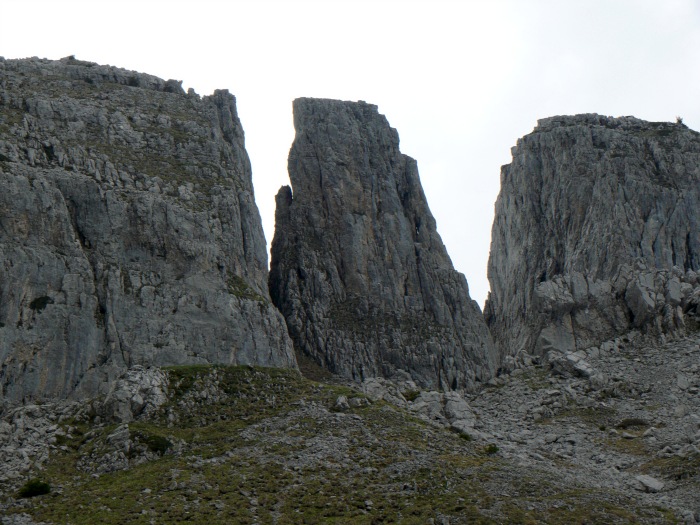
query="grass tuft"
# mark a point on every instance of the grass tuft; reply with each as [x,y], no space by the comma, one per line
[34,487]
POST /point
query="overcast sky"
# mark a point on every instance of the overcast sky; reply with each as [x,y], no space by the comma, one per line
[460,80]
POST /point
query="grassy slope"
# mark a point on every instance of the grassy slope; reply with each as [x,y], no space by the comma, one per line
[266,446]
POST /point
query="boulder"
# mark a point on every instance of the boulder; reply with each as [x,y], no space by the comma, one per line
[138,392]
[648,484]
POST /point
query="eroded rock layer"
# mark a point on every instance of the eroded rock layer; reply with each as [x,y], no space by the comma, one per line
[596,233]
[358,268]
[129,234]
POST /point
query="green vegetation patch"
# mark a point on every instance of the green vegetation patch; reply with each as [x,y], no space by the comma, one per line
[633,423]
[351,316]
[34,487]
[593,416]
[491,449]
[9,118]
[240,288]
[675,467]
[155,443]
[537,379]
[411,395]
[627,445]
[40,303]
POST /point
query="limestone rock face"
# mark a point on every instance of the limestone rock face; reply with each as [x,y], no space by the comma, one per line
[358,268]
[596,233]
[129,234]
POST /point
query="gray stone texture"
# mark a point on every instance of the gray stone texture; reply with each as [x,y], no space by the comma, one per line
[596,233]
[358,268]
[129,233]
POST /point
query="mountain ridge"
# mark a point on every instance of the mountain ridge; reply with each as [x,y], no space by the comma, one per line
[145,373]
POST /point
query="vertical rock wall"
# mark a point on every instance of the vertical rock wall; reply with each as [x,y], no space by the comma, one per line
[129,234]
[358,268]
[596,233]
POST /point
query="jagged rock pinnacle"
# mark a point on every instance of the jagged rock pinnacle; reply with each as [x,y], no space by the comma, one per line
[358,268]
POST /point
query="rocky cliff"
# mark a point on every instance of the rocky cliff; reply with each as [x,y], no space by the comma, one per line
[596,234]
[358,268]
[129,234]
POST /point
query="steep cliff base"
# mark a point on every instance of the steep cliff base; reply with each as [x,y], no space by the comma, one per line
[579,312]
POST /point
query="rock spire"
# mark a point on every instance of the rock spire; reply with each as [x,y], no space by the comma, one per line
[358,268]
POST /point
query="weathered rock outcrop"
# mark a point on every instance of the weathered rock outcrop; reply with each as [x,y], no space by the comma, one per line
[358,268]
[596,233]
[129,234]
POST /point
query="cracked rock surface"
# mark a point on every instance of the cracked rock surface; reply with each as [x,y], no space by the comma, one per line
[129,233]
[596,233]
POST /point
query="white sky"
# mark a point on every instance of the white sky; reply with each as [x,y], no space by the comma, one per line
[460,80]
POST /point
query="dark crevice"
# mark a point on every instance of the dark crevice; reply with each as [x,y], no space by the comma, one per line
[73,214]
[690,262]
[49,152]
